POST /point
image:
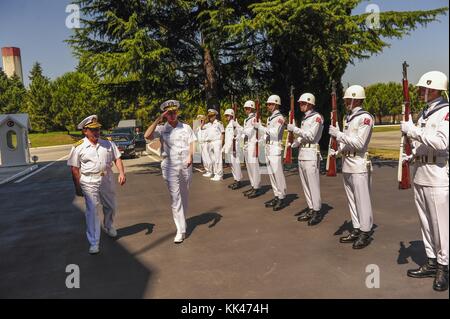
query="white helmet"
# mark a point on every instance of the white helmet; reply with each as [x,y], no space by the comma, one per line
[434,80]
[229,112]
[249,104]
[308,98]
[355,92]
[275,99]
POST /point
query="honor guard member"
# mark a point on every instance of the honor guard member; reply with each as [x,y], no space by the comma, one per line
[215,137]
[177,152]
[231,147]
[273,133]
[91,161]
[250,142]
[201,139]
[309,135]
[356,167]
[430,142]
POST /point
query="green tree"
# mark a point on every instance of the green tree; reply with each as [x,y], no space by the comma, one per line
[12,94]
[74,98]
[39,100]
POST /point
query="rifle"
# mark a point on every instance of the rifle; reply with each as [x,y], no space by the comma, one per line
[288,150]
[403,174]
[234,105]
[331,160]
[258,111]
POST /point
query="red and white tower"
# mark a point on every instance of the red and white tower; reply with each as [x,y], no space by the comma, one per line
[12,62]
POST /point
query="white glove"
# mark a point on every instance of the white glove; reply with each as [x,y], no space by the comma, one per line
[333,152]
[334,131]
[257,125]
[295,144]
[405,127]
[407,158]
[291,127]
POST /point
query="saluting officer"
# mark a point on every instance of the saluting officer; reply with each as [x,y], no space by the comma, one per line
[356,166]
[274,150]
[91,163]
[177,151]
[309,135]
[215,136]
[232,137]
[430,142]
[251,159]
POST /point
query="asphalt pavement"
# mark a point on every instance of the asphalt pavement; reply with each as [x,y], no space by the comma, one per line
[235,248]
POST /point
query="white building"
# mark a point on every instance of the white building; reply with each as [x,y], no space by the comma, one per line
[14,148]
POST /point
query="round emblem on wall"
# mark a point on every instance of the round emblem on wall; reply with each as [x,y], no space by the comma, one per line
[10,123]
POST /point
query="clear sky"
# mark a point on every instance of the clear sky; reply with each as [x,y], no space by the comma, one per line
[38,28]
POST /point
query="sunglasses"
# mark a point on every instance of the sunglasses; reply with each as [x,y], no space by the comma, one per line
[94,129]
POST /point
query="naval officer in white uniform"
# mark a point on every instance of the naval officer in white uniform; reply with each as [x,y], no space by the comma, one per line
[177,152]
[91,161]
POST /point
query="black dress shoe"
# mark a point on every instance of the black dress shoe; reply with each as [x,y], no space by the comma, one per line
[237,185]
[232,185]
[441,281]
[271,202]
[363,240]
[279,204]
[350,238]
[316,218]
[425,271]
[305,216]
[254,194]
[248,191]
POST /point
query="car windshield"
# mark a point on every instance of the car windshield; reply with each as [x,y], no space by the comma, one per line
[121,138]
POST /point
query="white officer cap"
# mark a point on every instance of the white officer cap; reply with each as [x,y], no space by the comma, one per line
[89,122]
[229,112]
[170,105]
[249,104]
[212,112]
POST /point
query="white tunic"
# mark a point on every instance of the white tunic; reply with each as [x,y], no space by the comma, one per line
[431,144]
[94,159]
[274,134]
[311,132]
[232,130]
[249,132]
[214,130]
[175,141]
[354,143]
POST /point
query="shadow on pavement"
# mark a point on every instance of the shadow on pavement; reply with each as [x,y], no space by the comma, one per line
[202,219]
[415,251]
[134,229]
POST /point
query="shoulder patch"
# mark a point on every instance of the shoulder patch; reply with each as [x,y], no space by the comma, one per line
[446,117]
[319,119]
[281,120]
[367,121]
[78,143]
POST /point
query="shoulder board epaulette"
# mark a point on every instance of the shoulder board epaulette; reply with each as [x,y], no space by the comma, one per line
[78,143]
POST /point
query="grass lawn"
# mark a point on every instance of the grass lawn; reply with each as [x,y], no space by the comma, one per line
[386,129]
[384,154]
[53,138]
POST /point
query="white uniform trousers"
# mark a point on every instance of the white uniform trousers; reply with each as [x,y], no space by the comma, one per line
[206,159]
[235,162]
[276,174]
[357,188]
[310,179]
[252,164]
[215,153]
[98,190]
[432,205]
[178,179]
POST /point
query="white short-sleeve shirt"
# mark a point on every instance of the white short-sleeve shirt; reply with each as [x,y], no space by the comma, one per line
[175,141]
[93,159]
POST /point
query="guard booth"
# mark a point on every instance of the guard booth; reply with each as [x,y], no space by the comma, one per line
[14,148]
